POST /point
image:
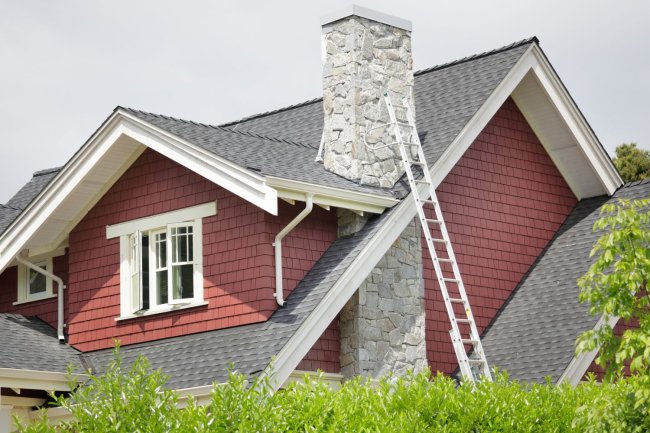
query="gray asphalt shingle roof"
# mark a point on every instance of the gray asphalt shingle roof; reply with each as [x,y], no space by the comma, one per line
[30,190]
[446,98]
[268,156]
[200,359]
[33,345]
[534,334]
[7,216]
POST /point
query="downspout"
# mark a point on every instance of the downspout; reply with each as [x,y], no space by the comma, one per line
[309,205]
[60,287]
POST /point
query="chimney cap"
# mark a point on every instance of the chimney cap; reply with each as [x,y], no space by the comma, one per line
[370,14]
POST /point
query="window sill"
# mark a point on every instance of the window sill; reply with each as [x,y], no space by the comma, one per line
[166,309]
[42,298]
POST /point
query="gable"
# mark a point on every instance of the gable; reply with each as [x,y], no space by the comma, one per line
[503,201]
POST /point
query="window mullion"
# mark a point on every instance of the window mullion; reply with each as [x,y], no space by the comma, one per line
[170,264]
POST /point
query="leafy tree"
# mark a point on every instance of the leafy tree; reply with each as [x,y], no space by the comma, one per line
[616,286]
[633,163]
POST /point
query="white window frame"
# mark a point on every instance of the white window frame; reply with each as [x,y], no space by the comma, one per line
[131,232]
[23,282]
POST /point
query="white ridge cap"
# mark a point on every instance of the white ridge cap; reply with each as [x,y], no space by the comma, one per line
[370,14]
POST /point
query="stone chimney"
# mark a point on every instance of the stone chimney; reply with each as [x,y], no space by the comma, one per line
[365,53]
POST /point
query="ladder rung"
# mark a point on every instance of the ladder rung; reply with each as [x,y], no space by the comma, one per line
[456,300]
[440,241]
[476,361]
[445,260]
[451,280]
[422,181]
[465,321]
[404,124]
[432,221]
[469,341]
[428,201]
[400,106]
[415,162]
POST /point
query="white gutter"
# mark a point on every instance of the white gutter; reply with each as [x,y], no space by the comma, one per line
[60,288]
[309,205]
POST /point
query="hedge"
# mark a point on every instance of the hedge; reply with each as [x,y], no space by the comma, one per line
[135,400]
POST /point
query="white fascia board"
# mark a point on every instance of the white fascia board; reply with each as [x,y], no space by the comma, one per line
[579,364]
[577,124]
[329,196]
[33,379]
[236,179]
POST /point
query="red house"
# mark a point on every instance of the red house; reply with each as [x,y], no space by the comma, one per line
[282,235]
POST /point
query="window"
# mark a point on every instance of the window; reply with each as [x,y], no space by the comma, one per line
[33,286]
[161,260]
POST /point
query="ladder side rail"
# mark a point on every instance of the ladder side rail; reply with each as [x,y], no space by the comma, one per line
[461,354]
[474,334]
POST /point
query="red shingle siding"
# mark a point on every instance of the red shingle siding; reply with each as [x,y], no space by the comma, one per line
[46,309]
[326,352]
[237,248]
[503,201]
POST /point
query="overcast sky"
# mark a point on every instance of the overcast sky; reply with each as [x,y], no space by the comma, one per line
[66,64]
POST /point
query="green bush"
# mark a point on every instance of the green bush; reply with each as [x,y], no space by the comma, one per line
[135,400]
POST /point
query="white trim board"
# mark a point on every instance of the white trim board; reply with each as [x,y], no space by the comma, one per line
[579,364]
[34,379]
[186,214]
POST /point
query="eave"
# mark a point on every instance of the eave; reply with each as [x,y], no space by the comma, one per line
[34,379]
[327,196]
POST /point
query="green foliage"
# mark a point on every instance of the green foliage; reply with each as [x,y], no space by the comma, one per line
[633,163]
[120,400]
[135,400]
[615,286]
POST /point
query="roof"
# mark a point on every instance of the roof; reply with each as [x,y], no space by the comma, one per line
[30,190]
[534,334]
[20,200]
[7,216]
[201,359]
[446,98]
[262,154]
[32,344]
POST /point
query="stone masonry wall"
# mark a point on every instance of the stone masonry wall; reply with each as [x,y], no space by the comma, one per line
[362,60]
[382,327]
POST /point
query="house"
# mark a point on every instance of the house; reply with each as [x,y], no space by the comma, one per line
[281,236]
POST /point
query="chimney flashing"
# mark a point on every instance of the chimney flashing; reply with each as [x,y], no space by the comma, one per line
[367,13]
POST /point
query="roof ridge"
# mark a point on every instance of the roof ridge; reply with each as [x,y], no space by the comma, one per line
[221,128]
[532,39]
[635,183]
[266,137]
[10,207]
[267,113]
[46,171]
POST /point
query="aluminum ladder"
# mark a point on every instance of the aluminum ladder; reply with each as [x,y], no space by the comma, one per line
[476,367]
